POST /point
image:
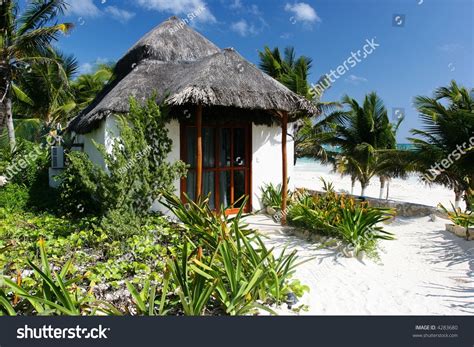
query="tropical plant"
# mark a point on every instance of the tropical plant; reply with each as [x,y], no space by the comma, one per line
[137,169]
[339,216]
[463,219]
[446,138]
[361,133]
[25,42]
[225,259]
[359,228]
[272,195]
[87,86]
[145,300]
[291,71]
[47,96]
[54,291]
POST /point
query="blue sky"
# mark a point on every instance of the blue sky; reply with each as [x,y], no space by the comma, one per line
[430,43]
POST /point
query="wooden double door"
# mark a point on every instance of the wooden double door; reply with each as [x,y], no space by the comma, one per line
[226,173]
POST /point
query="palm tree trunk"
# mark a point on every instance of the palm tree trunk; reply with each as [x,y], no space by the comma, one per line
[364,187]
[388,189]
[458,196]
[6,113]
[382,186]
[468,199]
[353,183]
[10,125]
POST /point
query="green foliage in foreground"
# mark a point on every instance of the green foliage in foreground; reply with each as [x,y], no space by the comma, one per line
[272,195]
[137,171]
[207,264]
[224,264]
[340,216]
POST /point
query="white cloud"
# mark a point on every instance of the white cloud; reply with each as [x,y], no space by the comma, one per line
[303,12]
[243,28]
[180,7]
[84,8]
[236,4]
[450,47]
[86,68]
[89,67]
[356,80]
[122,16]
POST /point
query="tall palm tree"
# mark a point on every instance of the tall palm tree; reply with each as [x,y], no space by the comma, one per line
[47,97]
[291,71]
[361,133]
[25,41]
[294,72]
[447,138]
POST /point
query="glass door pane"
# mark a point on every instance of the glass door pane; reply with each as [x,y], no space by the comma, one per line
[209,186]
[208,148]
[225,188]
[239,158]
[191,185]
[191,135]
[224,147]
[239,188]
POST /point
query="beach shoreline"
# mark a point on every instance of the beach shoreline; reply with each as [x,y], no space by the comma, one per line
[308,173]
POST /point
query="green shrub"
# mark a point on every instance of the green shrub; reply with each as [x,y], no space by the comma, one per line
[359,227]
[125,192]
[14,197]
[339,216]
[25,163]
[224,258]
[272,196]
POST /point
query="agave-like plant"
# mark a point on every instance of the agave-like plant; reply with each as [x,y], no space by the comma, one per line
[54,295]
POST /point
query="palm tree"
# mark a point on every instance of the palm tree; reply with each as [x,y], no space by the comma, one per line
[25,41]
[293,72]
[444,148]
[47,97]
[290,71]
[362,133]
[87,86]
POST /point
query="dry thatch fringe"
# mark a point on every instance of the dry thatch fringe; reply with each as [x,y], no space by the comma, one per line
[220,79]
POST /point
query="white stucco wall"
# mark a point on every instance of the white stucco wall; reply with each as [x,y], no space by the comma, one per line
[267,159]
[266,154]
[108,131]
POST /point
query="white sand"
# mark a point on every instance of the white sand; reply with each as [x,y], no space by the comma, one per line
[307,174]
[426,271]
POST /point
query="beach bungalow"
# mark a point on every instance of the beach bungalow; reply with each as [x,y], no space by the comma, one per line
[230,121]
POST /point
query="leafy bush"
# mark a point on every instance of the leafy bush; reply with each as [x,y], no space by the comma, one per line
[340,216]
[272,195]
[124,193]
[14,197]
[225,265]
[25,163]
[464,219]
[359,226]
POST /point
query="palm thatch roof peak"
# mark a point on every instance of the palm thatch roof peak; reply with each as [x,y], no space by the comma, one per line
[172,40]
[206,76]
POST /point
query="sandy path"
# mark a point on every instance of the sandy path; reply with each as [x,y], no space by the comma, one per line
[426,271]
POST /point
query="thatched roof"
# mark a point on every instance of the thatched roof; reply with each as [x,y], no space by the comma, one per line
[175,61]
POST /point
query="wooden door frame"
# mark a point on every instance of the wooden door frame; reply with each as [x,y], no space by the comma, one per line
[248,168]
